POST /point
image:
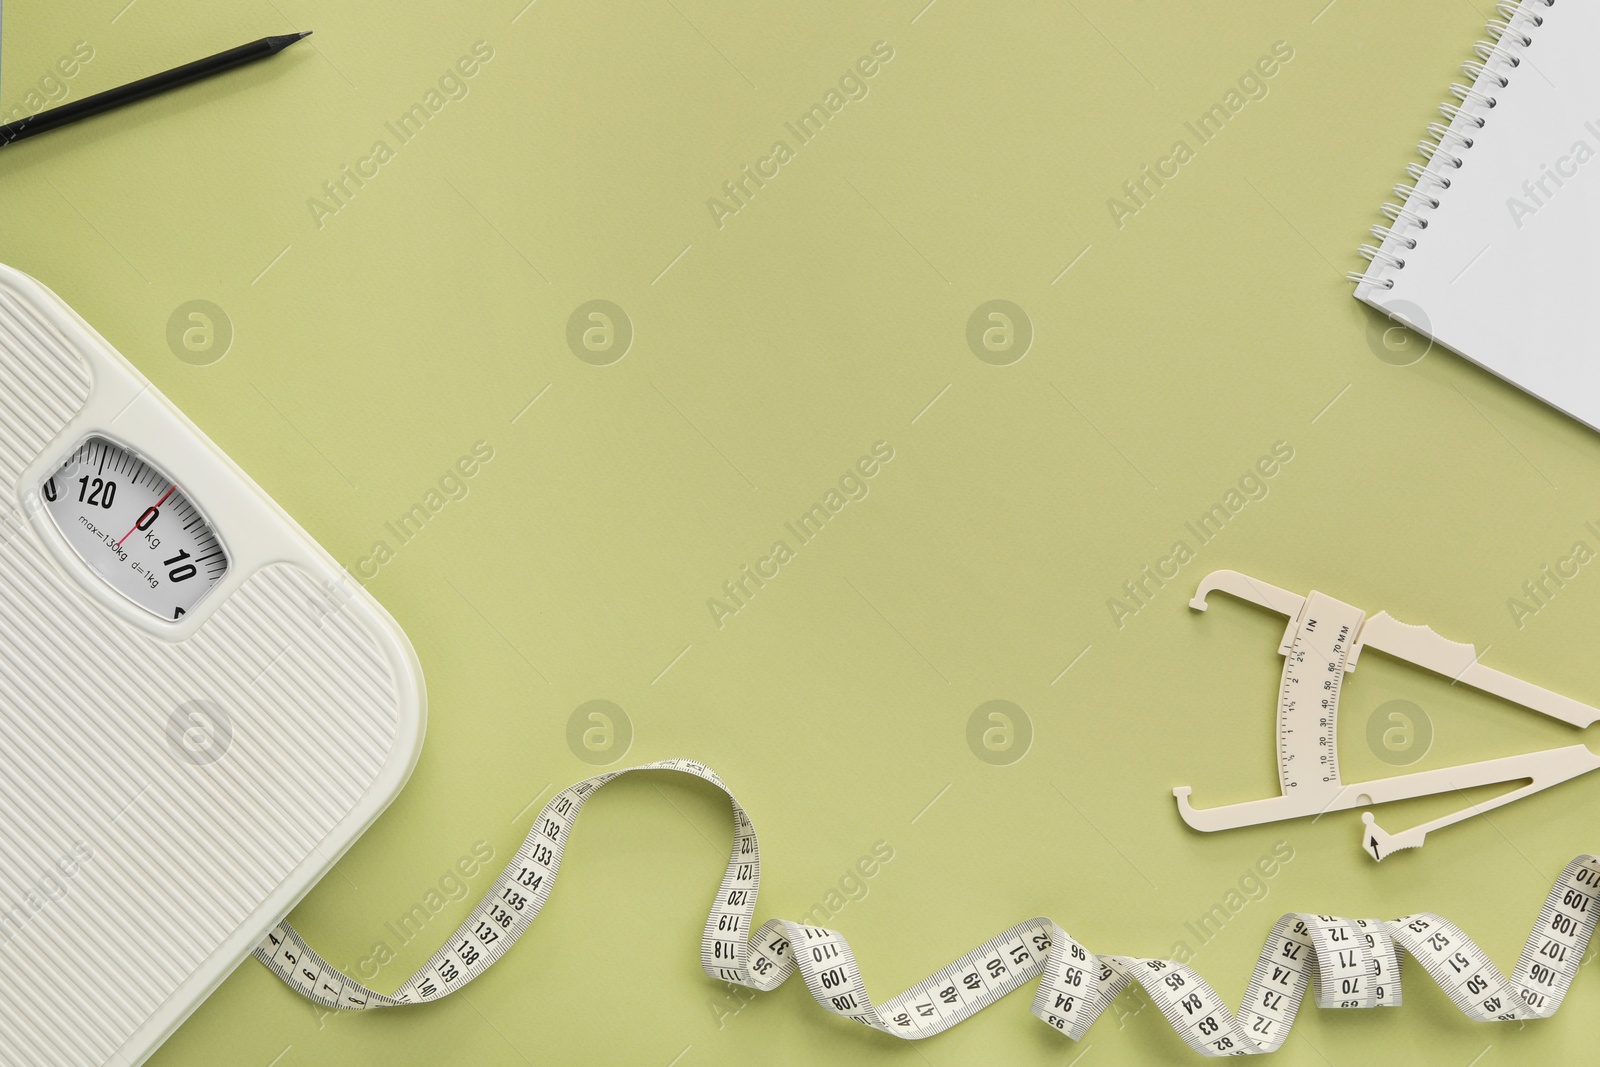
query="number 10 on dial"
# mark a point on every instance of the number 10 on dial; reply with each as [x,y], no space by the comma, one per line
[134,528]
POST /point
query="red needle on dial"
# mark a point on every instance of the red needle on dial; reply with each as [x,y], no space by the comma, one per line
[147,511]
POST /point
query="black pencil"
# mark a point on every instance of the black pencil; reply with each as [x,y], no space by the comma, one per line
[200,69]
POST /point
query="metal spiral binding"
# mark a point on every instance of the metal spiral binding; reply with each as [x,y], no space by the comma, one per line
[1446,146]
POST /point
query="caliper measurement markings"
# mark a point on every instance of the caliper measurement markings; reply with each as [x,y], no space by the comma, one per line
[1321,645]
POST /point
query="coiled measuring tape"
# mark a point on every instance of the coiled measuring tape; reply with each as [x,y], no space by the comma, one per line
[1356,962]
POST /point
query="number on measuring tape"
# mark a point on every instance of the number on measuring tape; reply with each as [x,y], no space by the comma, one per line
[1355,962]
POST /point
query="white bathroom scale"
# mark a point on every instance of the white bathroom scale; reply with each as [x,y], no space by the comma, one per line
[199,710]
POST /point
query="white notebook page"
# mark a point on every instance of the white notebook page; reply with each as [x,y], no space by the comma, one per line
[1507,270]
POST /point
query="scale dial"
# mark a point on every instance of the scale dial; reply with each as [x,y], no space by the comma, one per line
[134,528]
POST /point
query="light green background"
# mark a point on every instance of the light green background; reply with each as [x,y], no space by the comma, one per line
[769,355]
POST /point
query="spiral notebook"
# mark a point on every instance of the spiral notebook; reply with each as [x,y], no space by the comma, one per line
[1493,248]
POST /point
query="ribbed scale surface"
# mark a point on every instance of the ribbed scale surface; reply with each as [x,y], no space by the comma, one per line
[105,911]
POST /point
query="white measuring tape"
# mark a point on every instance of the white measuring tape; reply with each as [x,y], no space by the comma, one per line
[1356,962]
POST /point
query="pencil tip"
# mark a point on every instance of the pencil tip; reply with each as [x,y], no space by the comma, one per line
[302,35]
